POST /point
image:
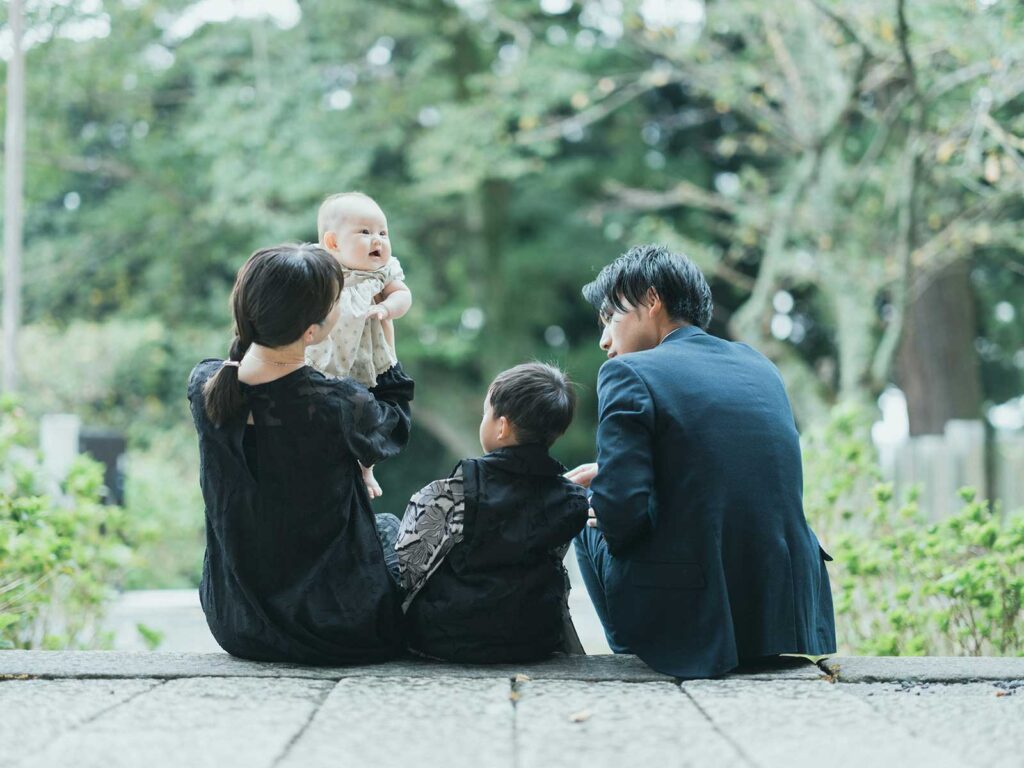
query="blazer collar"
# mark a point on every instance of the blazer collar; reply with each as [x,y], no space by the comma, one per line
[683,332]
[529,459]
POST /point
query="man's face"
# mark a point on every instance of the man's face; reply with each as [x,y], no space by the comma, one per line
[630,331]
[361,232]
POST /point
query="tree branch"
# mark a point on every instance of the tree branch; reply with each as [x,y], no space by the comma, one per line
[926,257]
[789,72]
[683,194]
[885,353]
[904,41]
[846,27]
[749,321]
[454,440]
[595,113]
[79,164]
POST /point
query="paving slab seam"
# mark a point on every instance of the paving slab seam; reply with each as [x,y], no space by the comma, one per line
[96,716]
[309,720]
[834,674]
[513,698]
[715,727]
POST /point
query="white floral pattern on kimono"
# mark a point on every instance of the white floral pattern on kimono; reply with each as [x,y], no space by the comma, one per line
[356,346]
[432,525]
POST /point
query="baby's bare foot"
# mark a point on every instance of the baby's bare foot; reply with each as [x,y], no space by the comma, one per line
[372,486]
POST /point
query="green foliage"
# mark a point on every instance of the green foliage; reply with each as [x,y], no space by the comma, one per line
[162,497]
[515,152]
[151,637]
[61,550]
[904,585]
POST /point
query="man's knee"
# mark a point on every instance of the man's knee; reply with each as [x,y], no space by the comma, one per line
[591,542]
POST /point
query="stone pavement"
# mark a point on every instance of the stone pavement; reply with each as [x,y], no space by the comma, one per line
[113,708]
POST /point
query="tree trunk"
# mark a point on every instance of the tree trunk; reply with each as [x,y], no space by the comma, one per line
[14,165]
[937,363]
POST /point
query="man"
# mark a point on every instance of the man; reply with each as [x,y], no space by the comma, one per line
[698,556]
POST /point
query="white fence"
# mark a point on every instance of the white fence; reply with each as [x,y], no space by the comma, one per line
[941,464]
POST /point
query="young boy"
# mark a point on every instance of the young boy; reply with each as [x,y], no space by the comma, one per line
[480,552]
[353,229]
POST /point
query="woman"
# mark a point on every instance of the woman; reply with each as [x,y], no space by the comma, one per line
[294,567]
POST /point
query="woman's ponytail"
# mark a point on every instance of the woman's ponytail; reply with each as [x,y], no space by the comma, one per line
[221,395]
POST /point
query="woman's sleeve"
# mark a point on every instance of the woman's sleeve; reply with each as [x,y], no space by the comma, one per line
[375,422]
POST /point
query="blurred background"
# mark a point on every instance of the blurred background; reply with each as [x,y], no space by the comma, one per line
[847,174]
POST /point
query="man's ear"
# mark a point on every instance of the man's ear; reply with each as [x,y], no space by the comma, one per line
[310,333]
[653,302]
[330,241]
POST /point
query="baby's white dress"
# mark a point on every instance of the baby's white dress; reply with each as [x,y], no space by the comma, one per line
[356,346]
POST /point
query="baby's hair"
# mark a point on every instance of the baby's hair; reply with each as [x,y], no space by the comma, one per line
[538,399]
[330,211]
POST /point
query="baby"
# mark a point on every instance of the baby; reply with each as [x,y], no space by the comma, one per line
[354,230]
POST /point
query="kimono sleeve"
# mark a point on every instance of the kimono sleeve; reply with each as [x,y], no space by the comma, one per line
[432,525]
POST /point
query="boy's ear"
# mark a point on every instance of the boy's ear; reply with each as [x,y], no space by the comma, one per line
[504,428]
[330,241]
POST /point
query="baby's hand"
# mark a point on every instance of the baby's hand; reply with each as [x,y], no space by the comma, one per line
[379,311]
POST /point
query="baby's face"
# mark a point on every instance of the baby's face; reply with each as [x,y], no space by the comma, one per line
[361,234]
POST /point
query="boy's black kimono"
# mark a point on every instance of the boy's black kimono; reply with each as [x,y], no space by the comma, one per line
[495,589]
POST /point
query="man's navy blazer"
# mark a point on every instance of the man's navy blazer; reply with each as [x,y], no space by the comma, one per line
[699,497]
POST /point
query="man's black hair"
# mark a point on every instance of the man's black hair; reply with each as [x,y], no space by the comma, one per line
[538,399]
[677,281]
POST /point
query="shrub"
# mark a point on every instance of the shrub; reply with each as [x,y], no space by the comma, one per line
[903,585]
[61,549]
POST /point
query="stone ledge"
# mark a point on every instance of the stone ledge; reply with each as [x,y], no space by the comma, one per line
[923,669]
[127,665]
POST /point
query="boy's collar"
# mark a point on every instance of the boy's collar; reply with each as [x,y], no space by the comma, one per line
[528,459]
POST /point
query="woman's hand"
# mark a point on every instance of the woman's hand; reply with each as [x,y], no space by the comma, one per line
[583,474]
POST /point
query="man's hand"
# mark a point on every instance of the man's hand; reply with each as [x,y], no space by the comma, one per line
[583,474]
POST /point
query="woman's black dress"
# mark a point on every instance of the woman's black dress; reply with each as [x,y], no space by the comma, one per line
[294,570]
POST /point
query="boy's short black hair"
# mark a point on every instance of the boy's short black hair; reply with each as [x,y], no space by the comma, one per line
[537,398]
[677,281]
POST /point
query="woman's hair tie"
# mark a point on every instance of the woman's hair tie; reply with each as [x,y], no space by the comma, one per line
[231,363]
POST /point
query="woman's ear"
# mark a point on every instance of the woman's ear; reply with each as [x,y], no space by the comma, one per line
[309,336]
